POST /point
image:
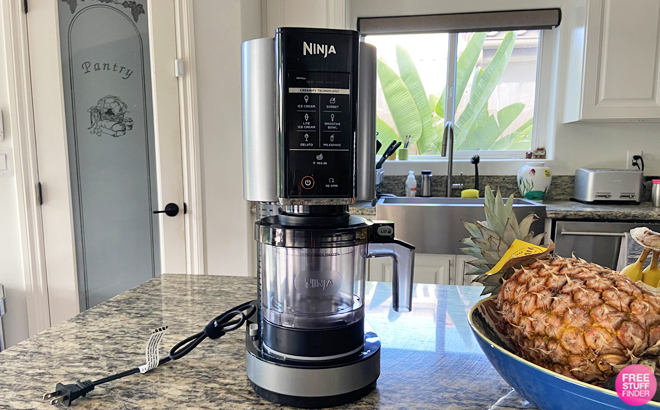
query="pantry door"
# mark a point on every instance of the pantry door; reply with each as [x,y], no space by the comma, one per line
[106,112]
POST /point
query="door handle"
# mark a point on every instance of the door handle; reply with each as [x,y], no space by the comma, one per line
[171,209]
[449,273]
[619,234]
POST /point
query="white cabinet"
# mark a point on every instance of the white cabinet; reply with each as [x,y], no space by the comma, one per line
[429,268]
[614,62]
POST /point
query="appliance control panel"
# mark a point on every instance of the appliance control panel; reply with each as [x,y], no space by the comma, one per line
[317,80]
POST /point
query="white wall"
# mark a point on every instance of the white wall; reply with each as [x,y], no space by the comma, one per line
[303,13]
[11,263]
[220,28]
[576,145]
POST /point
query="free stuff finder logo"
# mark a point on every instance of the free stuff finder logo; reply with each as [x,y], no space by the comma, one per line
[636,385]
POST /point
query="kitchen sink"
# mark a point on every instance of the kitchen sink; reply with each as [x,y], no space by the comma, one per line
[434,225]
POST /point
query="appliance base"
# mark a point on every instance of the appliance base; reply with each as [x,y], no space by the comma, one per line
[313,384]
[313,402]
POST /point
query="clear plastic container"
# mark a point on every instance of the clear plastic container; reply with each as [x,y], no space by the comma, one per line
[411,184]
[313,288]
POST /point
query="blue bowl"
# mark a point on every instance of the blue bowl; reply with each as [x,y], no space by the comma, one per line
[544,388]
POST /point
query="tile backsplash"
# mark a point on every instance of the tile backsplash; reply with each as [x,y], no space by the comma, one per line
[561,187]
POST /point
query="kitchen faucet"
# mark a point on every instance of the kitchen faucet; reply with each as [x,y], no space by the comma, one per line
[448,151]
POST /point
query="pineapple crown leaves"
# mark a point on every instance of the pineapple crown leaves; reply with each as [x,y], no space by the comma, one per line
[490,239]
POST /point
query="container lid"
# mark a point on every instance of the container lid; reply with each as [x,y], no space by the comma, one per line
[656,182]
[426,172]
[279,231]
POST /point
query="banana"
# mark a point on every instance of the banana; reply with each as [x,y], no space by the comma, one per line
[651,275]
[634,270]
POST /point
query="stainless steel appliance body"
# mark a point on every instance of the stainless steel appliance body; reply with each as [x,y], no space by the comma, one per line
[597,242]
[308,150]
[273,132]
[655,193]
[608,185]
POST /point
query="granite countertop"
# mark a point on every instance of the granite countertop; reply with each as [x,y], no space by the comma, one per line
[569,210]
[577,210]
[429,360]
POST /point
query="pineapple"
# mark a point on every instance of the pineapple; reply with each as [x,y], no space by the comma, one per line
[575,318]
[580,319]
[490,239]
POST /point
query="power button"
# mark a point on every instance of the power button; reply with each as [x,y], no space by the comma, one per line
[307,182]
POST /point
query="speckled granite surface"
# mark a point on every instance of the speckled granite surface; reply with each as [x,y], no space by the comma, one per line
[569,210]
[577,210]
[430,359]
[561,187]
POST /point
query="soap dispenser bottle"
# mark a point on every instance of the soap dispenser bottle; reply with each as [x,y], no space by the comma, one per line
[411,184]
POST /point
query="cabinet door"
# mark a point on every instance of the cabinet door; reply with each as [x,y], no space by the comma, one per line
[621,75]
[429,268]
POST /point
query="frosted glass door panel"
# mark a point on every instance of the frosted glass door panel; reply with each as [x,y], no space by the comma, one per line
[107,88]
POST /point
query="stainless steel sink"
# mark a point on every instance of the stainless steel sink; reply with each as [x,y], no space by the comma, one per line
[434,225]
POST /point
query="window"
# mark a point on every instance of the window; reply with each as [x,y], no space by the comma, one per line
[494,90]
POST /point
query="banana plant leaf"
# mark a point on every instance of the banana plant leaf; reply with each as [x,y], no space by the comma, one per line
[428,142]
[464,67]
[385,135]
[483,134]
[440,130]
[433,100]
[508,114]
[423,118]
[486,131]
[478,72]
[519,139]
[400,102]
[484,87]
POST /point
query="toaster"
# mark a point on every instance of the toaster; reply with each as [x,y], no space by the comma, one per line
[608,185]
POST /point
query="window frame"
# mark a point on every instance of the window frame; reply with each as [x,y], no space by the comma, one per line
[538,138]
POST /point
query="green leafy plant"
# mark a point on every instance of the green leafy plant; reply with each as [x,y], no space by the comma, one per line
[422,117]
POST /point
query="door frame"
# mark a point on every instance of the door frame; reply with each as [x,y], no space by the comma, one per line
[192,165]
[50,271]
[25,164]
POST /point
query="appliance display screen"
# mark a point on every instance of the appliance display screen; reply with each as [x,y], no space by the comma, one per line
[319,134]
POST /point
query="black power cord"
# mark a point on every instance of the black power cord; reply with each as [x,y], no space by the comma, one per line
[230,320]
[636,159]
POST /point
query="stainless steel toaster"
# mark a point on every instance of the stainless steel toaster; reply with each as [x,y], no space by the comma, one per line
[608,185]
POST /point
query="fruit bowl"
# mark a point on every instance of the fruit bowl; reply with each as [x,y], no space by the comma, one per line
[544,388]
